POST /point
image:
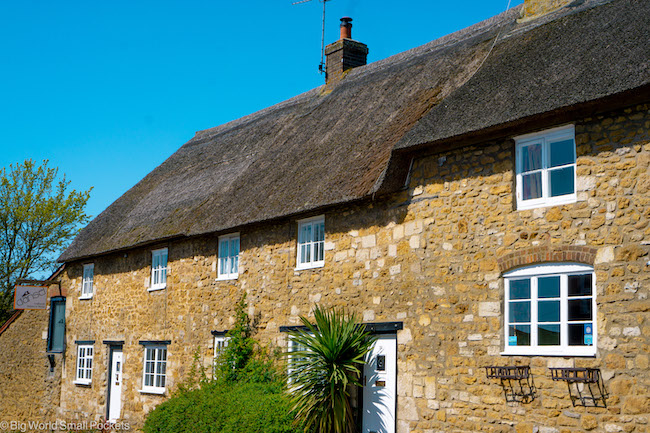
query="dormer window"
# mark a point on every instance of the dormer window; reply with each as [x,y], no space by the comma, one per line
[546,168]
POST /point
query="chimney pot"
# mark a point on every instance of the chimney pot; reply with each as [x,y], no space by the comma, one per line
[346,28]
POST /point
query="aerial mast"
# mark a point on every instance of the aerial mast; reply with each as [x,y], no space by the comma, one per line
[321,66]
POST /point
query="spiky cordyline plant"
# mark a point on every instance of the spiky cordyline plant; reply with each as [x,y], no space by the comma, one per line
[329,362]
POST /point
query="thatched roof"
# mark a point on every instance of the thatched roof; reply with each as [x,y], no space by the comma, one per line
[332,146]
[584,54]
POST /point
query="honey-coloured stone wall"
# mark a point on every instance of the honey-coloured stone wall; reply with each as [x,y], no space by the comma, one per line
[431,257]
[475,234]
[29,387]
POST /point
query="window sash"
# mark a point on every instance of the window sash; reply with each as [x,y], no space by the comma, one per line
[159,268]
[220,344]
[228,267]
[87,280]
[84,364]
[311,243]
[541,329]
[528,169]
[154,374]
[293,346]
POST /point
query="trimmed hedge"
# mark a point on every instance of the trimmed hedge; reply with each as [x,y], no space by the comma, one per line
[225,407]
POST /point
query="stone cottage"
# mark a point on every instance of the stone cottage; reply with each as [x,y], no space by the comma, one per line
[481,202]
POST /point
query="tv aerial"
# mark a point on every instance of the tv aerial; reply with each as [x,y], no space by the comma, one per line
[321,66]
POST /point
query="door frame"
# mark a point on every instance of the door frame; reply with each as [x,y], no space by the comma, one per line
[112,346]
[381,329]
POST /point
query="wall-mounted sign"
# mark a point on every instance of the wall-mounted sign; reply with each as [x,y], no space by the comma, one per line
[30,297]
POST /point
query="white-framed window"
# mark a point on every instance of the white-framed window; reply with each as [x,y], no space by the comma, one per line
[154,373]
[87,281]
[550,310]
[228,268]
[311,243]
[158,269]
[84,372]
[546,168]
[293,346]
[220,344]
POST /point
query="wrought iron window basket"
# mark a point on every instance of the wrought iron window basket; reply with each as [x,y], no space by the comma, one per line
[516,381]
[586,386]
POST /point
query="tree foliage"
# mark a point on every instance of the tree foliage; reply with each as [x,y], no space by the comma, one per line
[38,217]
[329,363]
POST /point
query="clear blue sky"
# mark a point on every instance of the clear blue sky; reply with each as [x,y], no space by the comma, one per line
[107,90]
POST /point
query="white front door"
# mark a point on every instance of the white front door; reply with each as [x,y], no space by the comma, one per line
[115,386]
[380,386]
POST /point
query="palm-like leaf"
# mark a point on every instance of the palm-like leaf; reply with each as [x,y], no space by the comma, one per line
[330,360]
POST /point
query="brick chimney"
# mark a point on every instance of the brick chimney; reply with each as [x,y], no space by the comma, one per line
[536,8]
[344,54]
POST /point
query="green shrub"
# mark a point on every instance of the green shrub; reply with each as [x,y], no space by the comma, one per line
[235,358]
[247,394]
[226,407]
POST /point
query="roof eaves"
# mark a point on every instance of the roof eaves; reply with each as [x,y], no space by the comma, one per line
[538,121]
[425,133]
[68,258]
